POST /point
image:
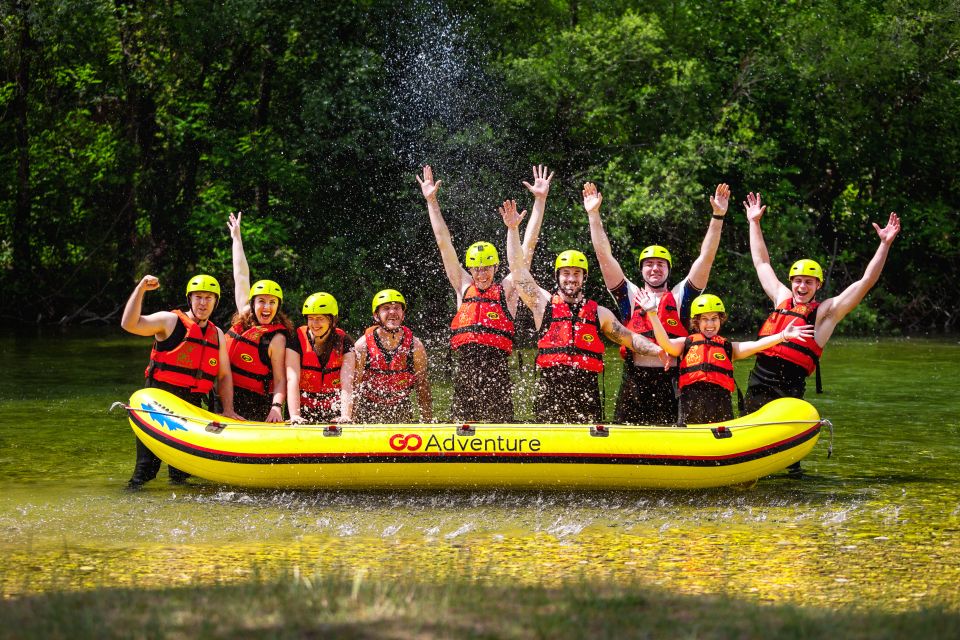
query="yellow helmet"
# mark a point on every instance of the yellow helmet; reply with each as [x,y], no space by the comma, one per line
[656,251]
[571,258]
[203,282]
[266,288]
[707,303]
[320,303]
[482,254]
[388,295]
[806,267]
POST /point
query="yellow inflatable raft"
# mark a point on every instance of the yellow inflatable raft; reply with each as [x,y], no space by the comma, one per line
[391,456]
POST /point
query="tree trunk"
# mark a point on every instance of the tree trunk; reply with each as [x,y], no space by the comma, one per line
[21,227]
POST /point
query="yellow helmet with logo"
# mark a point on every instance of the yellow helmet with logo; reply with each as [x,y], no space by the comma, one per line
[707,303]
[266,288]
[320,303]
[807,267]
[203,282]
[482,254]
[388,295]
[656,251]
[571,258]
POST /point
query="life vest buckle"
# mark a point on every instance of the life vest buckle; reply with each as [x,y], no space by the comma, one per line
[721,432]
[599,431]
[332,431]
[466,429]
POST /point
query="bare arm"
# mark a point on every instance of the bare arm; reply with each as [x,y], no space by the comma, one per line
[159,325]
[609,267]
[277,351]
[424,396]
[700,270]
[359,360]
[347,371]
[225,380]
[648,302]
[540,189]
[616,332]
[833,310]
[774,289]
[530,292]
[292,365]
[241,272]
[459,277]
[746,349]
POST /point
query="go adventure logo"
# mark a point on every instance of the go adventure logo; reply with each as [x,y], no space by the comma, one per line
[475,444]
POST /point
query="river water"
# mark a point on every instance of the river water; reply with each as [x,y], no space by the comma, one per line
[875,526]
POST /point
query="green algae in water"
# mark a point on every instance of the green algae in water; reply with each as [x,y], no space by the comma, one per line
[877,525]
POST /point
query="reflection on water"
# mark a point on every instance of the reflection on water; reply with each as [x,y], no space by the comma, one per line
[877,525]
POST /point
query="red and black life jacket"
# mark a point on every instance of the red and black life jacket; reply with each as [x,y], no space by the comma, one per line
[320,381]
[193,364]
[669,316]
[568,342]
[250,356]
[387,377]
[707,360]
[483,319]
[806,353]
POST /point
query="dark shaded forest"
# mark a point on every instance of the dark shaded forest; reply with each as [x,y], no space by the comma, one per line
[129,131]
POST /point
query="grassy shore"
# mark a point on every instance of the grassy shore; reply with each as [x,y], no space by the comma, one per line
[293,606]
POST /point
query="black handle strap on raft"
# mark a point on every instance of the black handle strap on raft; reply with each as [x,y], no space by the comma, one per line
[721,432]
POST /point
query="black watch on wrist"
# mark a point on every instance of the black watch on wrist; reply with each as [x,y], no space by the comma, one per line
[278,405]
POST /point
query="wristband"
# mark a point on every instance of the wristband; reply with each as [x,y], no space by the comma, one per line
[278,405]
[716,217]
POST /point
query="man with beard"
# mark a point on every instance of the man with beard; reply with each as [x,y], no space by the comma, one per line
[782,371]
[648,391]
[483,327]
[569,348]
[391,363]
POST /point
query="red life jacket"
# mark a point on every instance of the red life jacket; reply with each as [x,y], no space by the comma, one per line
[483,319]
[320,382]
[707,360]
[805,354]
[193,364]
[565,342]
[669,317]
[388,377]
[250,356]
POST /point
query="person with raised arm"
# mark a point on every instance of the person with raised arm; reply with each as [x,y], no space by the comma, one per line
[257,339]
[706,357]
[569,347]
[189,354]
[782,371]
[483,327]
[648,390]
[391,363]
[320,364]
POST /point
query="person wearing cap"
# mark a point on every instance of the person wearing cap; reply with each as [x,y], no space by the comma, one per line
[569,348]
[391,363]
[706,357]
[189,354]
[782,371]
[482,330]
[319,361]
[257,339]
[648,389]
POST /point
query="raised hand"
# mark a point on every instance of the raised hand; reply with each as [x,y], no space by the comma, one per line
[647,300]
[720,200]
[508,211]
[755,209]
[796,331]
[591,198]
[233,223]
[149,283]
[427,185]
[541,182]
[889,232]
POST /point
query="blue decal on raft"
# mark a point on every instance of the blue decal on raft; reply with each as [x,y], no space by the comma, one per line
[163,419]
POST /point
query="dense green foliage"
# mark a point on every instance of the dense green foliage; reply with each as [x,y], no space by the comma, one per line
[129,130]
